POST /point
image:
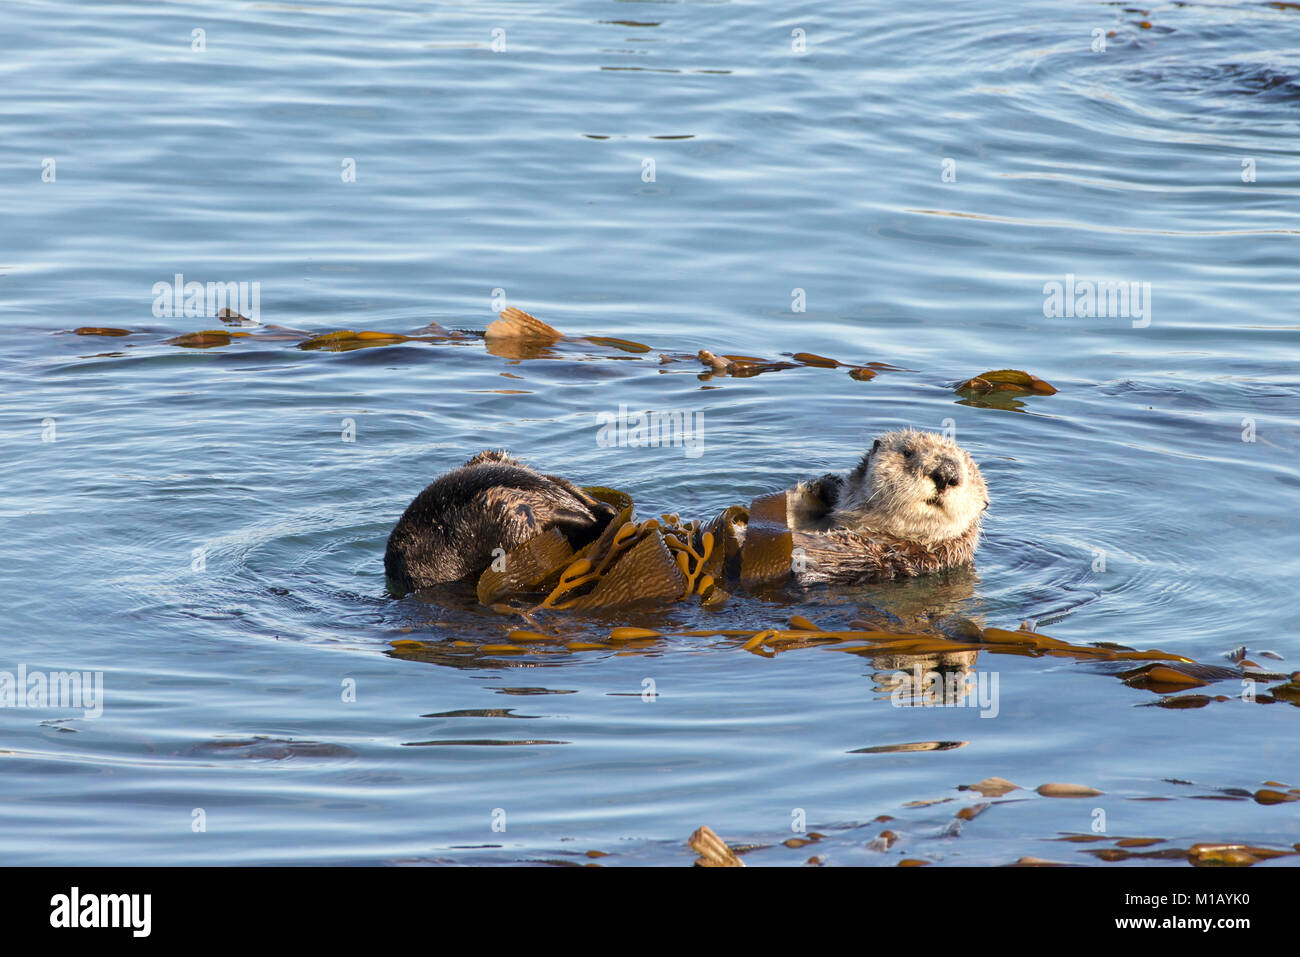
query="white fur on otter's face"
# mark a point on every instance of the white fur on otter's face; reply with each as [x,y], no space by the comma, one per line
[915,486]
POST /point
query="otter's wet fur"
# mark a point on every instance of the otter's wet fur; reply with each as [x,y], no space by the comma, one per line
[452,530]
[912,506]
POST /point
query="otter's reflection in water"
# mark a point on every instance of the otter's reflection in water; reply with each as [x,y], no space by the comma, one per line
[934,681]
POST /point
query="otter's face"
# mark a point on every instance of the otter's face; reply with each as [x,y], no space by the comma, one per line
[916,486]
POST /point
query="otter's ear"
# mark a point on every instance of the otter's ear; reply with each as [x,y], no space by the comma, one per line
[863,465]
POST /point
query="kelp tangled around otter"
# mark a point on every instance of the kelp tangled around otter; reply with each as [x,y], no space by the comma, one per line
[912,505]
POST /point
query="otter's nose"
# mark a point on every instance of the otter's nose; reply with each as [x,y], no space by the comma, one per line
[946,473]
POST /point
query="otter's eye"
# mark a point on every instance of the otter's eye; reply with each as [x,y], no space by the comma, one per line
[908,453]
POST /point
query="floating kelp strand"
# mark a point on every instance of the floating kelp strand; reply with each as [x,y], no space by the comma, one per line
[1289,691]
[992,787]
[1013,380]
[684,567]
[741,366]
[689,562]
[1230,855]
[1059,790]
[530,636]
[757,640]
[1036,862]
[632,634]
[516,324]
[1181,702]
[812,359]
[911,746]
[1269,796]
[999,636]
[706,546]
[974,811]
[914,645]
[346,339]
[1002,636]
[1158,677]
[712,849]
[1149,655]
[576,574]
[886,637]
[627,345]
[783,637]
[324,339]
[623,539]
[203,339]
[575,571]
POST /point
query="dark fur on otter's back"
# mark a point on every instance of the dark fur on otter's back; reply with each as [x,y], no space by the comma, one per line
[450,531]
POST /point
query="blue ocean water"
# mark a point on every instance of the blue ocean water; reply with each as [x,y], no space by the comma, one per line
[873,182]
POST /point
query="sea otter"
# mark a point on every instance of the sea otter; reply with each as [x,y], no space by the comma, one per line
[912,505]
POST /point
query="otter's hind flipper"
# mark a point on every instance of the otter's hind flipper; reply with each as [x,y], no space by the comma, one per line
[586,522]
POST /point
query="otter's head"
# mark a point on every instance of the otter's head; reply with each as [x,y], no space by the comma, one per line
[917,486]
